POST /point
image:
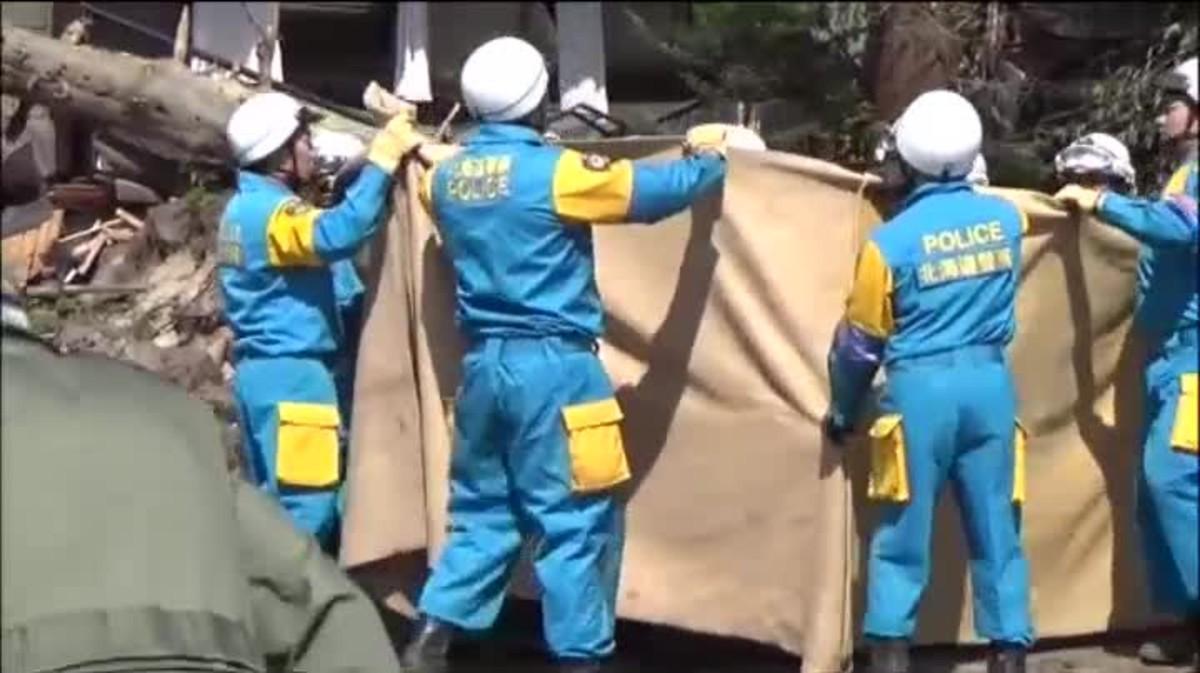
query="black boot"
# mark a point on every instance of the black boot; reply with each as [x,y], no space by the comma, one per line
[1175,649]
[1006,658]
[889,655]
[426,651]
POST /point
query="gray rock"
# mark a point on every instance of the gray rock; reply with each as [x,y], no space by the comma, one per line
[169,222]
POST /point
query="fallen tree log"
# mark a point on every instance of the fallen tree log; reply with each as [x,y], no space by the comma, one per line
[154,104]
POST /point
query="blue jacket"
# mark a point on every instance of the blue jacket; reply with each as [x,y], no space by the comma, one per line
[514,212]
[285,266]
[1167,268]
[939,276]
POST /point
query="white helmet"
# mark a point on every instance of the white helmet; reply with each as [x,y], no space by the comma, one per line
[1097,153]
[262,124]
[979,171]
[939,135]
[504,79]
[1183,79]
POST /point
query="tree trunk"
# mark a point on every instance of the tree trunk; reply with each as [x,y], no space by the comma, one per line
[154,104]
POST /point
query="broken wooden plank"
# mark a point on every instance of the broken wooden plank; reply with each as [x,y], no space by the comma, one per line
[131,219]
[94,229]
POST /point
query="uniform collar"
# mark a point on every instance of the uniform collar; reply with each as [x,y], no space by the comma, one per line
[496,133]
[256,182]
[929,188]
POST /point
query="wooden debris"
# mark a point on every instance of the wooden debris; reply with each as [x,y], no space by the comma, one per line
[28,252]
[94,229]
[130,219]
[96,247]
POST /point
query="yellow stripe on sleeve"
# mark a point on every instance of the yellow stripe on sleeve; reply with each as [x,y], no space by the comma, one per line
[869,306]
[1178,182]
[592,188]
[290,235]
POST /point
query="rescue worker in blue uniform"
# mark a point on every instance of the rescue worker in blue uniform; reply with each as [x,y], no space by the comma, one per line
[538,445]
[284,296]
[1166,318]
[933,302]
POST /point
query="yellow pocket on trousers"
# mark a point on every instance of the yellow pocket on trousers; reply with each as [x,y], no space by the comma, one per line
[306,451]
[597,451]
[1184,430]
[889,464]
[1020,445]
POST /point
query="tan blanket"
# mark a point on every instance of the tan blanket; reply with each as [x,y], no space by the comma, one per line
[740,522]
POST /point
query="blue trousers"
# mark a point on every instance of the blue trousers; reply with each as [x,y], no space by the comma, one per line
[957,420]
[1169,483]
[276,437]
[511,477]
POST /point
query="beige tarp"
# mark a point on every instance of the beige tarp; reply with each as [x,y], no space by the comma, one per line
[739,521]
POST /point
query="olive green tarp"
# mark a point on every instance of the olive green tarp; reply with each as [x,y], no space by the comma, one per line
[740,521]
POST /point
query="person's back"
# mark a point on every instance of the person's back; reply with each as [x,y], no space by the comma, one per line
[119,533]
[128,546]
[933,302]
[537,450]
[514,213]
[953,257]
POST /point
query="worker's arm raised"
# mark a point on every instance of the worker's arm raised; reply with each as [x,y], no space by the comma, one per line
[1169,222]
[593,189]
[299,234]
[1166,222]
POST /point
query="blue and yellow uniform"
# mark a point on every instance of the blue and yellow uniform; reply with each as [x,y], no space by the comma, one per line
[1169,484]
[933,302]
[287,281]
[538,444]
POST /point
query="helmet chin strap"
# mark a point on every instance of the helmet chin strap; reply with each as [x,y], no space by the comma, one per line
[289,176]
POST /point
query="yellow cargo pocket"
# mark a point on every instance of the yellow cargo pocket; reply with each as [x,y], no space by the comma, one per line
[306,451]
[1020,443]
[1183,432]
[596,449]
[889,465]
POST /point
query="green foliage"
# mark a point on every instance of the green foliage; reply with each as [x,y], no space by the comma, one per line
[811,54]
[1127,101]
[806,53]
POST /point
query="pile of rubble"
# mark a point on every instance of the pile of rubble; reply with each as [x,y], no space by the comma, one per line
[139,285]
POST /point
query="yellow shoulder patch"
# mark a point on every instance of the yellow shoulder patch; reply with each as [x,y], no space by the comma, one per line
[1178,182]
[592,188]
[290,234]
[869,306]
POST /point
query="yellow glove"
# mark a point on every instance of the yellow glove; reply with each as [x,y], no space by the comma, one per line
[395,141]
[705,138]
[1079,198]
